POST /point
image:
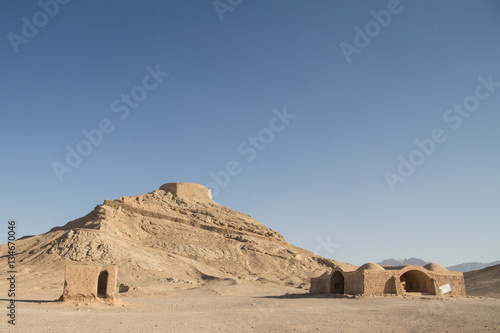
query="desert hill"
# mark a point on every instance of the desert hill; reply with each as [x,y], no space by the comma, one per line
[472,266]
[483,282]
[169,235]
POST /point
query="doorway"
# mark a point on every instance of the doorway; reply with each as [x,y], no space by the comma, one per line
[102,284]
[337,286]
[416,281]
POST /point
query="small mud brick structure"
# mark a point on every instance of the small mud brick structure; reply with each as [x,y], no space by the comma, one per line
[373,279]
[82,283]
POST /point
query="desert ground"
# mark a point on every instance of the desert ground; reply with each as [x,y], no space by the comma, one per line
[241,306]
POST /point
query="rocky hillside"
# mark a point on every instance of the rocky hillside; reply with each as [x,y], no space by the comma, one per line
[483,282]
[175,237]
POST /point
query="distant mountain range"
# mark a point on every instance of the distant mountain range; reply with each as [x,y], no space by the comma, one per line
[465,267]
[472,266]
[409,261]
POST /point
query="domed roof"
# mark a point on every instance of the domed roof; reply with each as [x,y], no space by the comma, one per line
[435,267]
[371,267]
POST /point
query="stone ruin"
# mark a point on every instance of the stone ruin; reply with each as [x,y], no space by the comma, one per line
[90,283]
[188,191]
[373,279]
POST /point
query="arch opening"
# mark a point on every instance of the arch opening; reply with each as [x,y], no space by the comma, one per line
[416,281]
[337,284]
[102,284]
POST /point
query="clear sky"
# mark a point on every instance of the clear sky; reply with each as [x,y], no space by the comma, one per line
[360,130]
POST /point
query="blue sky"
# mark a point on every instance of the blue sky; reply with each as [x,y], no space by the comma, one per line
[318,173]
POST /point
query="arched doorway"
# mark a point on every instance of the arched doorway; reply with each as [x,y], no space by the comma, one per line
[337,286]
[416,281]
[102,284]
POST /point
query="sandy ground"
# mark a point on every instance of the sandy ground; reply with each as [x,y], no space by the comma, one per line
[244,307]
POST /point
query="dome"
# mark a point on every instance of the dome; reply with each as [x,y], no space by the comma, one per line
[435,267]
[371,267]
